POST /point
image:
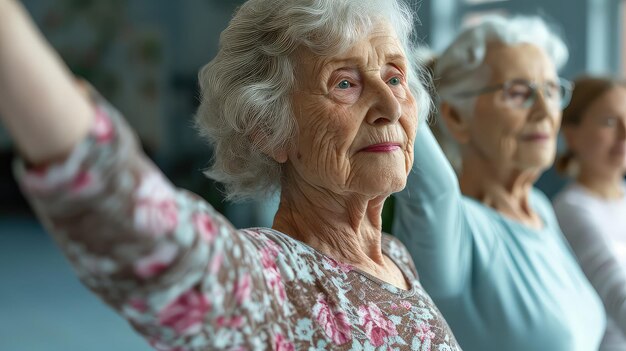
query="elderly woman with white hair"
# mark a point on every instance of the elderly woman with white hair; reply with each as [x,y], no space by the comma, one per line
[487,245]
[316,98]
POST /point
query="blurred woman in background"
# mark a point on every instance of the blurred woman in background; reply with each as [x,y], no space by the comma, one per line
[487,245]
[592,209]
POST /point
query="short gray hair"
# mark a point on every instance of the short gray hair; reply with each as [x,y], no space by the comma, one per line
[245,110]
[456,68]
[460,66]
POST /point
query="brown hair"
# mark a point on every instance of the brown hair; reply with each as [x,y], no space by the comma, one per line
[587,89]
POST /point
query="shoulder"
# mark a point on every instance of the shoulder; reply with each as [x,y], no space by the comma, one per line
[395,249]
[480,218]
[282,244]
[538,197]
[571,194]
[573,201]
[540,202]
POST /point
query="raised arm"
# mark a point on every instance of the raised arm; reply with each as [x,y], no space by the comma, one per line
[596,258]
[429,219]
[160,256]
[40,104]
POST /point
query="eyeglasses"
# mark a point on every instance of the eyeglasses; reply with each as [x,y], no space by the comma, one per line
[521,93]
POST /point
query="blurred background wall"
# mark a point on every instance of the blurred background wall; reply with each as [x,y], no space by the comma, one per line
[143,55]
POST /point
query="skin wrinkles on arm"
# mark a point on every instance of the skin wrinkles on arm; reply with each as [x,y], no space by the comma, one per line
[40,104]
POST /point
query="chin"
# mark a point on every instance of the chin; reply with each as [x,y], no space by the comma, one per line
[539,163]
[383,185]
[619,165]
[397,186]
[538,160]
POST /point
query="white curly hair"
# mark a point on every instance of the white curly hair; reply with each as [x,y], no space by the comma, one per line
[246,89]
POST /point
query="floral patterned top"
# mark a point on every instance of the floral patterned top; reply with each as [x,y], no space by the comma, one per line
[187,280]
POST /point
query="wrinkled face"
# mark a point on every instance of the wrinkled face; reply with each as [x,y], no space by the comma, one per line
[599,141]
[513,137]
[356,118]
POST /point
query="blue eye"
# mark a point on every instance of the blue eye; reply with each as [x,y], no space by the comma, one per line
[344,84]
[394,81]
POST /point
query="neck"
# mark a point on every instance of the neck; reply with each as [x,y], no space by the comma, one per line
[504,189]
[346,228]
[607,185]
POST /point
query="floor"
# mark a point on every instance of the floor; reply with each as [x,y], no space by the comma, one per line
[43,307]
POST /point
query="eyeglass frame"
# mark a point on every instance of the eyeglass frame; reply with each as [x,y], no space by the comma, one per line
[566,85]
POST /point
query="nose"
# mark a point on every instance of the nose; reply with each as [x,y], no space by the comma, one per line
[542,108]
[385,107]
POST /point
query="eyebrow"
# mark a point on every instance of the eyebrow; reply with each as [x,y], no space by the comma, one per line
[396,57]
[358,61]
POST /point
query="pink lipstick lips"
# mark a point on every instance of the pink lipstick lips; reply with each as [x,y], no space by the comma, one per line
[382,147]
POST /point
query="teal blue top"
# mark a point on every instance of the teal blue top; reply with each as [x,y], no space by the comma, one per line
[499,284]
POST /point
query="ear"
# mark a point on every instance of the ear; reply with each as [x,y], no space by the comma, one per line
[456,124]
[281,155]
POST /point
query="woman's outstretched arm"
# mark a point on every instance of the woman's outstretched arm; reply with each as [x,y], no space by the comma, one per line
[163,258]
[40,104]
[429,218]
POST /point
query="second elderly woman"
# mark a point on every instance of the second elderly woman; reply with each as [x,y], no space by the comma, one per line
[316,98]
[487,245]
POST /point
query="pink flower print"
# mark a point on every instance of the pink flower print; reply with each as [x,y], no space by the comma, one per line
[53,178]
[334,322]
[343,267]
[36,184]
[229,322]
[236,322]
[407,305]
[86,183]
[135,309]
[81,181]
[243,288]
[216,263]
[156,262]
[156,211]
[39,170]
[282,344]
[102,128]
[138,305]
[272,275]
[159,346]
[272,249]
[253,233]
[268,258]
[376,326]
[96,265]
[41,180]
[275,283]
[186,314]
[205,226]
[422,331]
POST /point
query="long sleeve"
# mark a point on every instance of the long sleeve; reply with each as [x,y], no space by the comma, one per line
[429,219]
[160,256]
[596,258]
[500,284]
